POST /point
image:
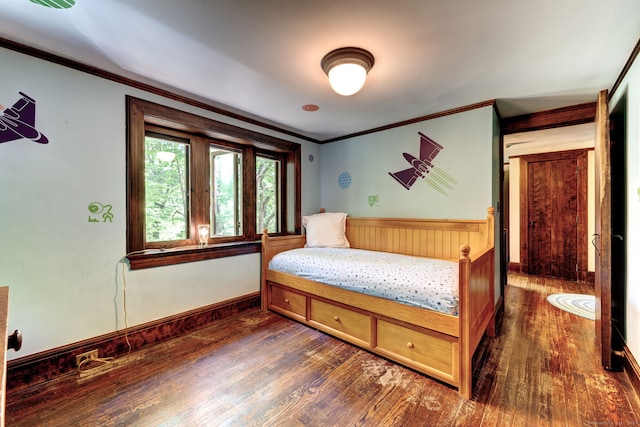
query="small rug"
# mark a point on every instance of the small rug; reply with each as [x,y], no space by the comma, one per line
[579,304]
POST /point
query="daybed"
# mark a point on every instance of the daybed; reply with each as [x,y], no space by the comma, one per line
[436,344]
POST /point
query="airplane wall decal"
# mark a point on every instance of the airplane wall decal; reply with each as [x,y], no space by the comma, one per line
[423,166]
[18,122]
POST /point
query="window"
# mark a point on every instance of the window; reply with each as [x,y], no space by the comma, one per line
[166,181]
[185,170]
[268,197]
[226,194]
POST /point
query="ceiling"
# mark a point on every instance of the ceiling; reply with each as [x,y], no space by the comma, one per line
[261,59]
[548,140]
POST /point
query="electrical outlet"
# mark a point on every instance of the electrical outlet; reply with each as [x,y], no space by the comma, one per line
[89,355]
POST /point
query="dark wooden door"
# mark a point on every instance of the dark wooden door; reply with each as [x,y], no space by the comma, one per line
[553,222]
[553,213]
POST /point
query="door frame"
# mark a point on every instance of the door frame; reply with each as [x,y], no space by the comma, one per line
[602,241]
[603,233]
[581,157]
[618,116]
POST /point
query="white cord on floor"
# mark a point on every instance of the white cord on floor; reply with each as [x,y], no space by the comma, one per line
[103,360]
[124,297]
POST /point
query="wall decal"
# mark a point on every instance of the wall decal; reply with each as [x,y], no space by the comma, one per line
[374,199]
[55,4]
[344,180]
[18,121]
[98,208]
[424,168]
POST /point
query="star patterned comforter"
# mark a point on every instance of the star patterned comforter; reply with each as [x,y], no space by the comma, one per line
[422,282]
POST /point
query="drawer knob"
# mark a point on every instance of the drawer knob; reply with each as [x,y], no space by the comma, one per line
[286,300]
[15,340]
[336,318]
[410,345]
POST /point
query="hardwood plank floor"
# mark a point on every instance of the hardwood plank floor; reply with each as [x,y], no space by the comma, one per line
[260,369]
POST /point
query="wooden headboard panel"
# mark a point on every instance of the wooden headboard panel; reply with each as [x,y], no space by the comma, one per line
[432,238]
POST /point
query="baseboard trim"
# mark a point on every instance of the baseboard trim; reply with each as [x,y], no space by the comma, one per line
[514,267]
[632,369]
[44,366]
[583,276]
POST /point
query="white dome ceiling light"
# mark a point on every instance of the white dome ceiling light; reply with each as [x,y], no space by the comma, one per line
[347,68]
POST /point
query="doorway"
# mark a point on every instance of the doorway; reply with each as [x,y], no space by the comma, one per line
[553,224]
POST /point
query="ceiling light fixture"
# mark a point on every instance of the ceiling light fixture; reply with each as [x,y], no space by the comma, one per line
[347,69]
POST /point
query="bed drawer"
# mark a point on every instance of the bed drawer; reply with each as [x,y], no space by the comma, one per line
[288,301]
[425,347]
[344,322]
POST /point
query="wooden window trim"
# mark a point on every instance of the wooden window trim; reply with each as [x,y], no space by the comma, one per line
[141,113]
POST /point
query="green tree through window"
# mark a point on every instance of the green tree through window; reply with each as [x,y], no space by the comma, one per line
[267,198]
[185,170]
[226,209]
[171,180]
[166,201]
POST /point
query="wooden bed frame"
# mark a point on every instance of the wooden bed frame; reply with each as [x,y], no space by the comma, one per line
[436,344]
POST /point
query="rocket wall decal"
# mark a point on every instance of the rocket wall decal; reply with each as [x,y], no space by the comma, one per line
[18,122]
[423,167]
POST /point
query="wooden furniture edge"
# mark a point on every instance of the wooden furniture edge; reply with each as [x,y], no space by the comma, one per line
[271,246]
[439,322]
[375,316]
[469,335]
[416,223]
[380,309]
[479,281]
[43,366]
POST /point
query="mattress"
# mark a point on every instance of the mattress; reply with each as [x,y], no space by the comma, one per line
[421,282]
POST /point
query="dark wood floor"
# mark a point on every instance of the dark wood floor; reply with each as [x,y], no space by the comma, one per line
[262,369]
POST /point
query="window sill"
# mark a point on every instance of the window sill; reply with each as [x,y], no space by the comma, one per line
[160,257]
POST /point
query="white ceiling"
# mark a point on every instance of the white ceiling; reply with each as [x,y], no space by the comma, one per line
[262,58]
[548,140]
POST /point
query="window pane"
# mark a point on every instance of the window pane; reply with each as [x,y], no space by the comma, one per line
[166,184]
[226,200]
[268,197]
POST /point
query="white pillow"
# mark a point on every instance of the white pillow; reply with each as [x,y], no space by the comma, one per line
[326,230]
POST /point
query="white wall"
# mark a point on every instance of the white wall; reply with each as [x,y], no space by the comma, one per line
[631,84]
[63,271]
[470,156]
[467,139]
